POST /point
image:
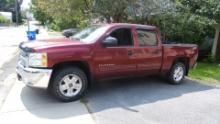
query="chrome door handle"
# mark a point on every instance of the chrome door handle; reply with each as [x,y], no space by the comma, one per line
[130,53]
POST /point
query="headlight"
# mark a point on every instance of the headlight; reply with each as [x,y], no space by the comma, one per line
[37,59]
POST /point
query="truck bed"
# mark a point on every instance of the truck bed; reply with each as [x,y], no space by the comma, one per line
[173,51]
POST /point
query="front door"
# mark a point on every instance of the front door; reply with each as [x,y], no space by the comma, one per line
[115,61]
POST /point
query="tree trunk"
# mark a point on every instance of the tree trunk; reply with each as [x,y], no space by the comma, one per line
[216,44]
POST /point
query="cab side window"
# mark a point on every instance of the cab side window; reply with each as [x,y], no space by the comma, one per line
[124,36]
[146,37]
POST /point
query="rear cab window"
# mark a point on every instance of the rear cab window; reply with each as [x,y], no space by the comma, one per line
[146,37]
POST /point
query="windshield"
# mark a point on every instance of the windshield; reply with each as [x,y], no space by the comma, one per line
[90,34]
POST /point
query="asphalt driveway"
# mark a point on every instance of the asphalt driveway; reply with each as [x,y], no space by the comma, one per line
[124,101]
[152,100]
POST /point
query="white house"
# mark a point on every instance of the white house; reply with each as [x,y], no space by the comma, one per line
[7,15]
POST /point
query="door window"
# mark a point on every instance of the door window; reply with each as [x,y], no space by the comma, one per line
[146,37]
[124,36]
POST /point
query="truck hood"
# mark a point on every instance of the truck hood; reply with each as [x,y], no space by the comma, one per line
[49,43]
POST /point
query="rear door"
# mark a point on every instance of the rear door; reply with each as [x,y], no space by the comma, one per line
[148,51]
[117,61]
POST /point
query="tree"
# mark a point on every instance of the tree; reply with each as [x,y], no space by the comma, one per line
[6,5]
[65,13]
[142,11]
[38,13]
[112,10]
[74,11]
[211,10]
[178,21]
[138,11]
[9,5]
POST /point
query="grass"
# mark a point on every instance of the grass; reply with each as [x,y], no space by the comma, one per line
[206,72]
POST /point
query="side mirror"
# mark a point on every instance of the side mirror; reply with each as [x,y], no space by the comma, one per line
[110,42]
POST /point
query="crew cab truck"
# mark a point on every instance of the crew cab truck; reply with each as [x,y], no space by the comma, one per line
[67,66]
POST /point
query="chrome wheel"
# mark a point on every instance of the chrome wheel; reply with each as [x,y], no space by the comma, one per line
[178,73]
[70,85]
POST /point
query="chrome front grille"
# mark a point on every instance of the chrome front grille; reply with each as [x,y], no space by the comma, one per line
[23,58]
[24,54]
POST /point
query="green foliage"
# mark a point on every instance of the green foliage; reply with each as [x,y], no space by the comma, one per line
[206,72]
[59,24]
[40,16]
[53,26]
[112,10]
[6,4]
[210,59]
[180,20]
[207,8]
[9,6]
[3,20]
[138,11]
[184,27]
[62,13]
[38,13]
[144,11]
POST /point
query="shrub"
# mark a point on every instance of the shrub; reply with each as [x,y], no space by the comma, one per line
[210,59]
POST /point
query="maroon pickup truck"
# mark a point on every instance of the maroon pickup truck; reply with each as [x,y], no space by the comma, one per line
[67,66]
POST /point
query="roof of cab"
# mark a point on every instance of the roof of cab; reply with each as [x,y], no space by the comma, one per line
[128,24]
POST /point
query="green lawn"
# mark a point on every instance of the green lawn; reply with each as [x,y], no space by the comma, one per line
[209,73]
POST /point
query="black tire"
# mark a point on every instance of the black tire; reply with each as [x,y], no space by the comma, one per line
[60,75]
[171,77]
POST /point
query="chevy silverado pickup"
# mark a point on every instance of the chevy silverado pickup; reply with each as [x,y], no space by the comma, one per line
[67,66]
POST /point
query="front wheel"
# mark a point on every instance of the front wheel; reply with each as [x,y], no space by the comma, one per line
[177,73]
[69,84]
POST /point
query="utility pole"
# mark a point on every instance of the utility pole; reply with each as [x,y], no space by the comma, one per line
[16,11]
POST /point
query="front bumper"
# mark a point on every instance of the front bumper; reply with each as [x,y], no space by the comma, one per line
[34,77]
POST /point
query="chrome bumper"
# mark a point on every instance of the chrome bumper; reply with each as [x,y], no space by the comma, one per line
[34,77]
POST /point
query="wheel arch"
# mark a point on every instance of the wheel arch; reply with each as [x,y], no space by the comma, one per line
[83,65]
[183,60]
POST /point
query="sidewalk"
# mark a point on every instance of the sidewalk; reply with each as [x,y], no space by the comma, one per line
[9,41]
[26,105]
[10,37]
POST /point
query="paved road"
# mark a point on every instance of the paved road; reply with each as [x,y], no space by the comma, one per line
[125,101]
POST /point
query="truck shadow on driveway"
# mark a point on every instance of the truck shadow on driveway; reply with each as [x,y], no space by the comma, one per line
[122,93]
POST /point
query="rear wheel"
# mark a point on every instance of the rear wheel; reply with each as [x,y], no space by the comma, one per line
[177,73]
[69,84]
